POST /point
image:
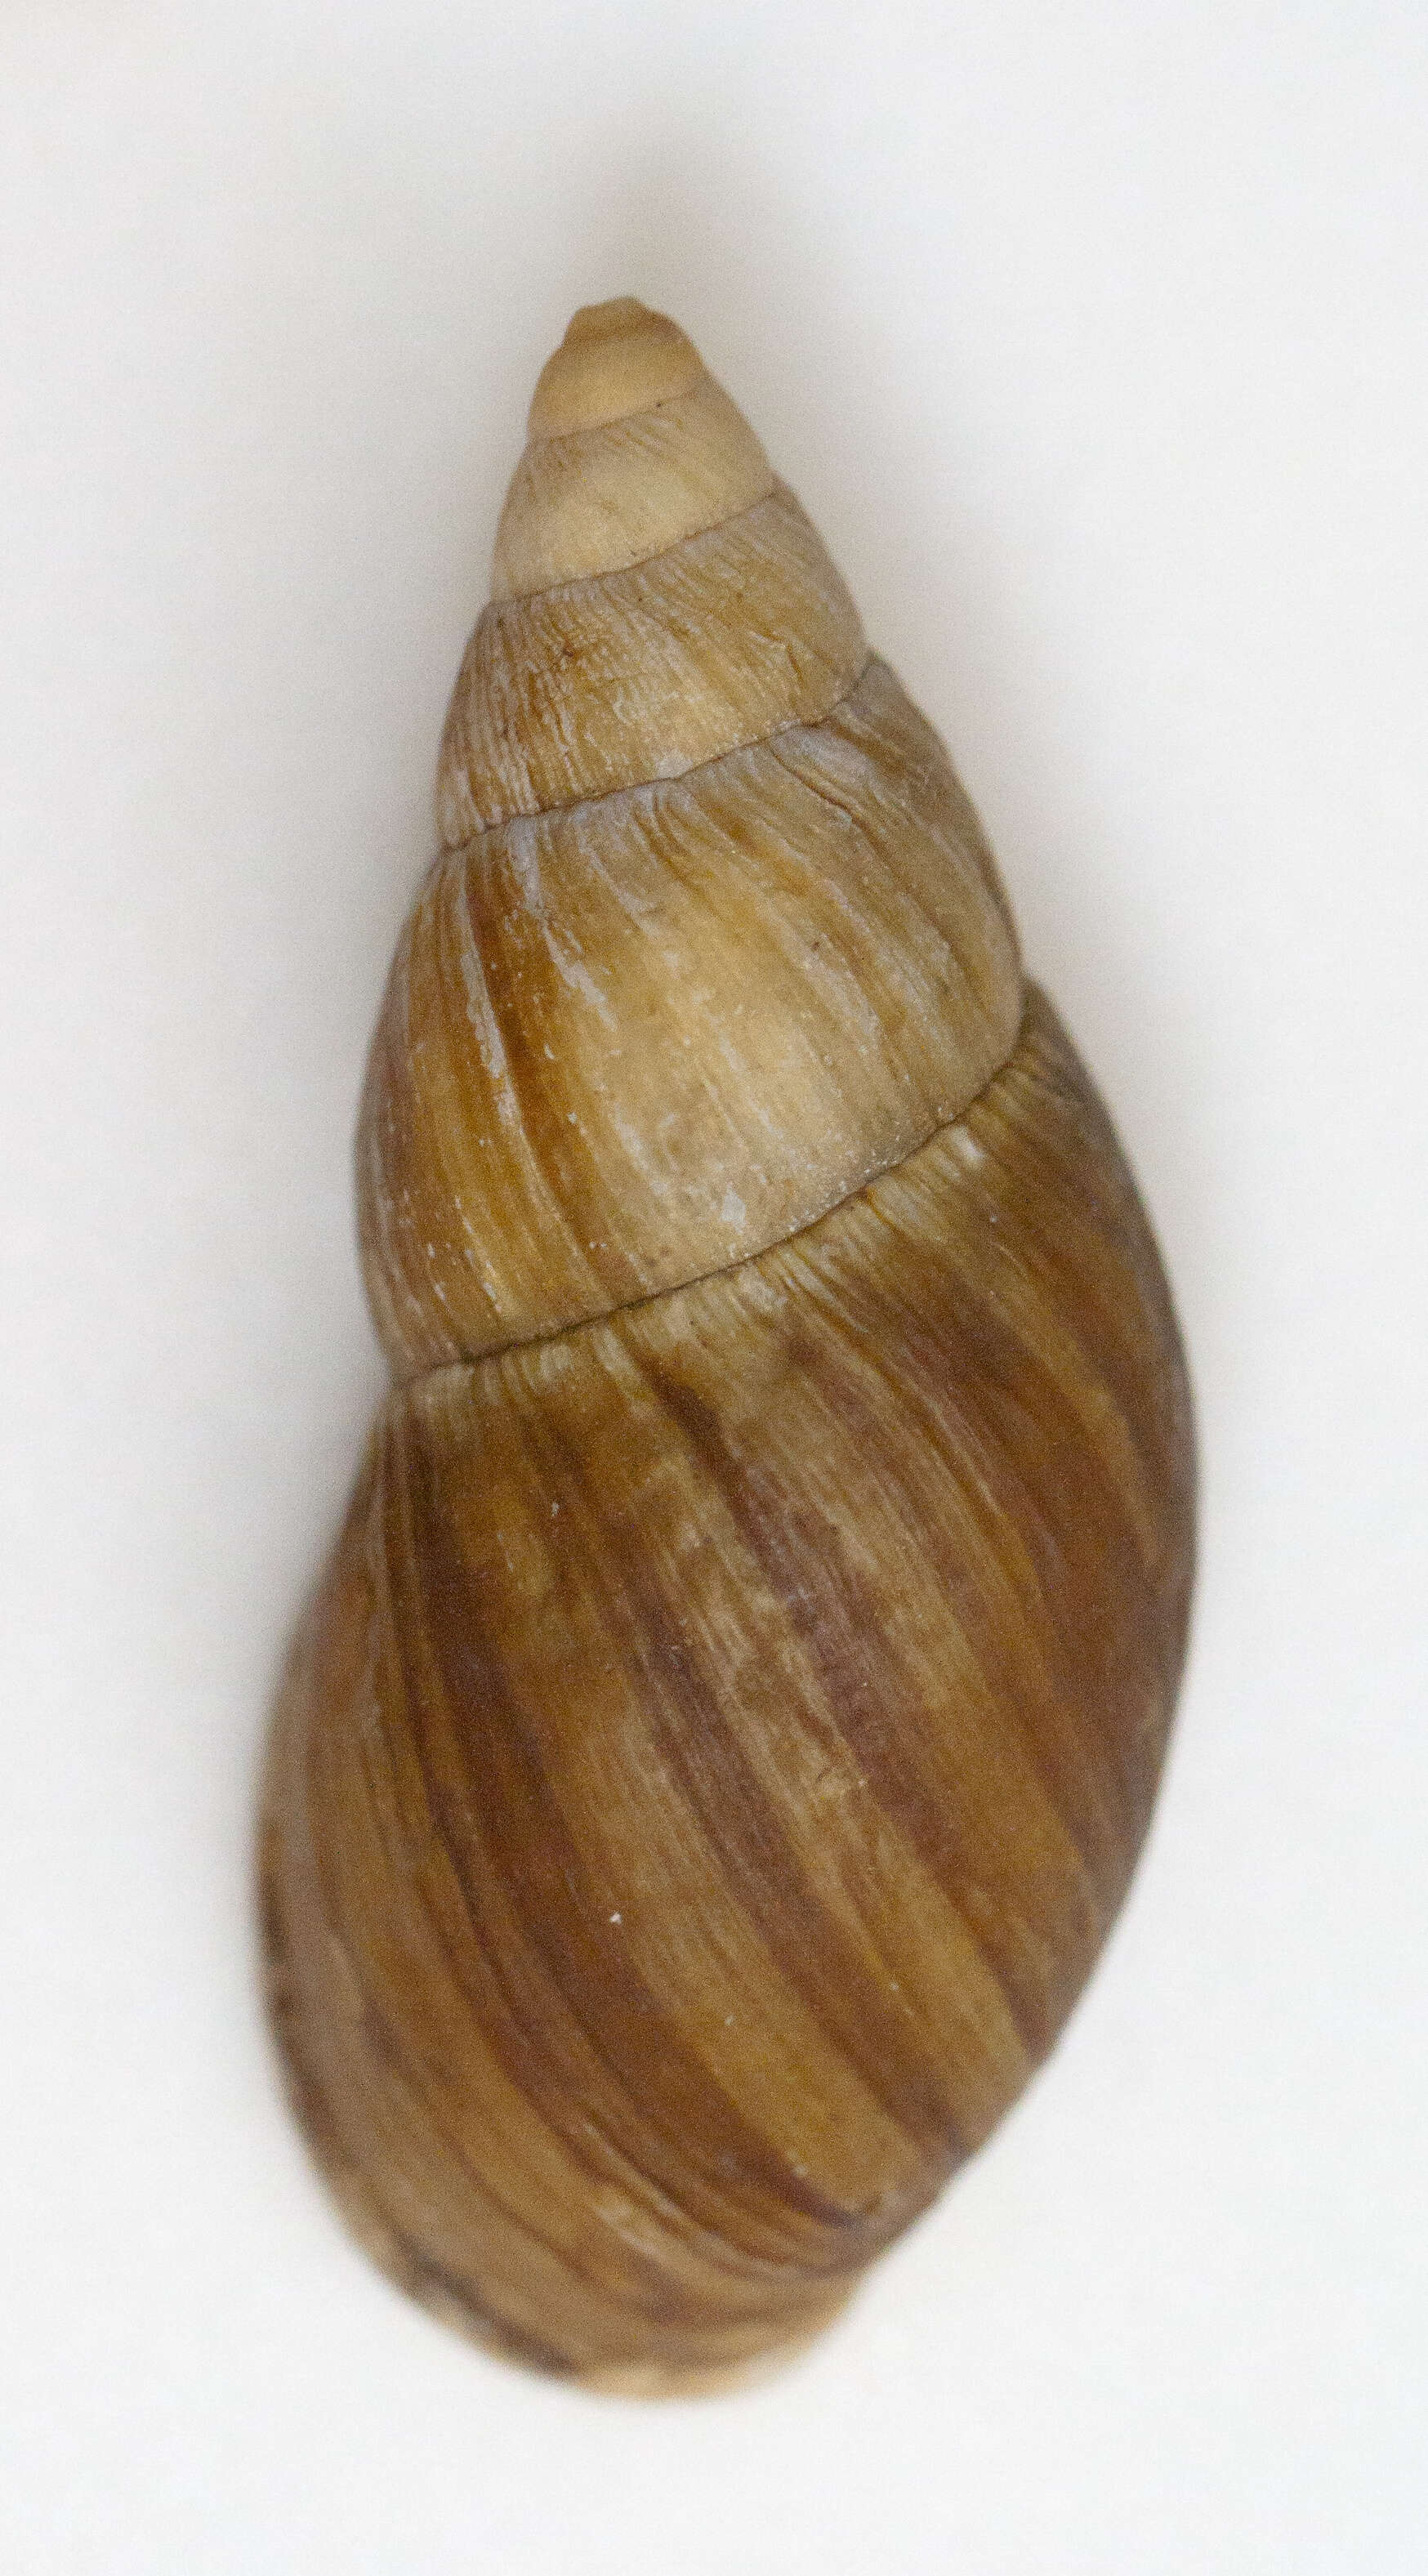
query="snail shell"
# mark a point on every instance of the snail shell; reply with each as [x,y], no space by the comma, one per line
[721,1741]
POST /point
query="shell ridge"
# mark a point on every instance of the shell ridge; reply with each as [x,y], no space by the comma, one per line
[976,1452]
[732,1807]
[575,583]
[726,1269]
[766,1536]
[635,673]
[696,2161]
[958,965]
[632,787]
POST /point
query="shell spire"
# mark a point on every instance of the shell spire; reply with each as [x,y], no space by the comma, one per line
[632,445]
[658,598]
[680,805]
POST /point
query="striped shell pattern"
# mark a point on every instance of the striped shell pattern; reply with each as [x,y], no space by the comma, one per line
[720,1743]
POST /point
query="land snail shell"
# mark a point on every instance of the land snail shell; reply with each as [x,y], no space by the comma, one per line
[712,1761]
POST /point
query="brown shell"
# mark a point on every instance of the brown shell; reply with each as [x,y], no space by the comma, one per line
[721,1742]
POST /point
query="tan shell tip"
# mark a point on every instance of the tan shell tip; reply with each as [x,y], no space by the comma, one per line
[616,358]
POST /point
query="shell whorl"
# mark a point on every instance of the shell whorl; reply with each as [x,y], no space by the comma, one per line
[711,901]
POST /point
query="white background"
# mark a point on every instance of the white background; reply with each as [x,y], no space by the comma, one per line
[1094,338]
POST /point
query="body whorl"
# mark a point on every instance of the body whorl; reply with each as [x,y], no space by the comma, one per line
[723,1737]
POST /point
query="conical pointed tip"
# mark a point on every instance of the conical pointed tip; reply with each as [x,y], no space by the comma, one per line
[616,358]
